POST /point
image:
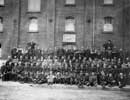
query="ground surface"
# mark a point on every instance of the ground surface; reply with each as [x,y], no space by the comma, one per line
[17,91]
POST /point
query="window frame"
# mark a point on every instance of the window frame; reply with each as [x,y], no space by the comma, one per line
[74,23]
[70,36]
[110,18]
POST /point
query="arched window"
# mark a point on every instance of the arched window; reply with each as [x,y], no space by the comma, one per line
[33,24]
[108,2]
[70,24]
[1,24]
[108,24]
[2,2]
[70,2]
[34,5]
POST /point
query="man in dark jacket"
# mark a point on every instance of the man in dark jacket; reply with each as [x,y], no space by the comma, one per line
[108,45]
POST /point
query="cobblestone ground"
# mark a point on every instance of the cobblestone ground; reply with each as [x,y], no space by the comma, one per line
[17,91]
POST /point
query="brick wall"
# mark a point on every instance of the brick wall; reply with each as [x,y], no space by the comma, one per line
[52,20]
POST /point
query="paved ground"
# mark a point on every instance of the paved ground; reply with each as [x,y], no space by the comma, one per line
[17,91]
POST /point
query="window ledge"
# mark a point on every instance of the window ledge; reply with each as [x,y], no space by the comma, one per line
[1,31]
[29,12]
[34,32]
[111,32]
[70,32]
[70,5]
[68,43]
[2,5]
[108,5]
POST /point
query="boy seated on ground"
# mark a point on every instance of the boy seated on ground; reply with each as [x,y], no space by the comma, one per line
[50,78]
[72,79]
[67,78]
[93,79]
[57,78]
[80,80]
[121,80]
[103,79]
[86,79]
[110,80]
[25,77]
[43,78]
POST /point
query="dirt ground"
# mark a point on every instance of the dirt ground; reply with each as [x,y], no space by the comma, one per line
[18,91]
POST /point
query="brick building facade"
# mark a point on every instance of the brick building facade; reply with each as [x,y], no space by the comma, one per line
[64,23]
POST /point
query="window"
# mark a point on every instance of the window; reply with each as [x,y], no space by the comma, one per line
[1,24]
[33,25]
[69,41]
[2,2]
[34,5]
[108,2]
[108,24]
[69,38]
[70,24]
[70,2]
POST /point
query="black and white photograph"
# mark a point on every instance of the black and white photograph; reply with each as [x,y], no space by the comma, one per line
[64,49]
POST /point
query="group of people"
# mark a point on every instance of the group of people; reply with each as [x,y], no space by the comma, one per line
[90,67]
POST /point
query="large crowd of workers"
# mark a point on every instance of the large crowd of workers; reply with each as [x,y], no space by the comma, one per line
[107,67]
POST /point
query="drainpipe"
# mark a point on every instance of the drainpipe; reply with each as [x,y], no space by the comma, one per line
[94,24]
[19,24]
[55,25]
